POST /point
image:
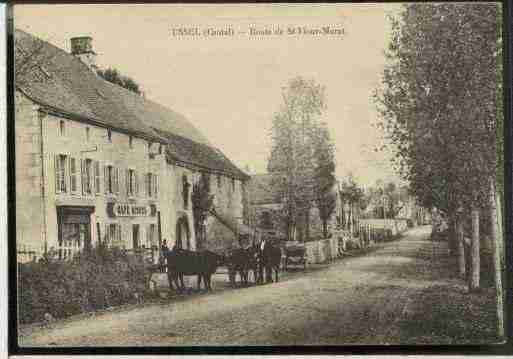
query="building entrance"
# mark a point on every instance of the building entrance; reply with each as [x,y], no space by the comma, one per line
[74,230]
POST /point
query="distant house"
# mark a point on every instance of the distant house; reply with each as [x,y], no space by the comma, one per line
[266,210]
[96,163]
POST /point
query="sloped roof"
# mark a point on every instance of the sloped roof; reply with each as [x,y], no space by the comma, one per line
[181,149]
[62,83]
[263,190]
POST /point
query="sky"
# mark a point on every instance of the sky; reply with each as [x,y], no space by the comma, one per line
[229,87]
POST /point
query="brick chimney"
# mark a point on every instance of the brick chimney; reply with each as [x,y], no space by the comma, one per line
[82,48]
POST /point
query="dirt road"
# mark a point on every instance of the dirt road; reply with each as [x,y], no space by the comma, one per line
[361,300]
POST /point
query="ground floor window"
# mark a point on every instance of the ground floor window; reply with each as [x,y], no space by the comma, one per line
[151,236]
[73,230]
[112,237]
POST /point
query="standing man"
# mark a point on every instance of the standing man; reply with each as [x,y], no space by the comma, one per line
[261,263]
[164,251]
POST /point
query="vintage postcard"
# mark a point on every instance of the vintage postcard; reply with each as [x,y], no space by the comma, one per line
[258,174]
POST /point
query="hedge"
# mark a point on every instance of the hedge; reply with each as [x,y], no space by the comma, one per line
[95,280]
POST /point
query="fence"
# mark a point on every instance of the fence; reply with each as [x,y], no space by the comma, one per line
[67,253]
[321,251]
[397,226]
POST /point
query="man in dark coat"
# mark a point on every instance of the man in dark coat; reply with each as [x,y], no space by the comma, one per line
[164,251]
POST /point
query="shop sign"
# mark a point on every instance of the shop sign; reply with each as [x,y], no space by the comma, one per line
[130,210]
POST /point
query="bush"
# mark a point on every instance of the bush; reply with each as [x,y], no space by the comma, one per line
[96,280]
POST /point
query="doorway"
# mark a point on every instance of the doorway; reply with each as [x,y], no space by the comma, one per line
[135,236]
[74,234]
[183,233]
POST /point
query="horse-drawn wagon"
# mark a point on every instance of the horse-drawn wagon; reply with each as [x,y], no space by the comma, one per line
[295,255]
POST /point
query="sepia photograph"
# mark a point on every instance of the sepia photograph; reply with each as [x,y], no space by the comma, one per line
[200,175]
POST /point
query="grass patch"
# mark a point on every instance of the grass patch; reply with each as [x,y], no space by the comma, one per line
[450,315]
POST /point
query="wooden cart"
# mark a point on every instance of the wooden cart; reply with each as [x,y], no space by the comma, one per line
[295,255]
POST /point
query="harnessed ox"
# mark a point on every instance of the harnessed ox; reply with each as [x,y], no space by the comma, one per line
[182,262]
[242,261]
[269,260]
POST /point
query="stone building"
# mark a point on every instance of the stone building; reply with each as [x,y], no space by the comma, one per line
[98,163]
[266,211]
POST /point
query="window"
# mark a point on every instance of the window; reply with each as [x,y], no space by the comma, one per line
[97,180]
[219,182]
[109,135]
[113,235]
[62,128]
[60,173]
[116,180]
[233,184]
[150,236]
[155,185]
[185,191]
[131,142]
[88,135]
[111,180]
[87,177]
[149,184]
[266,221]
[160,149]
[73,175]
[131,183]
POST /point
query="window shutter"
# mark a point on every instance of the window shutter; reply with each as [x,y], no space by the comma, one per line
[106,179]
[97,178]
[106,236]
[64,179]
[82,171]
[71,188]
[117,180]
[146,185]
[156,186]
[127,182]
[148,180]
[136,180]
[118,233]
[57,174]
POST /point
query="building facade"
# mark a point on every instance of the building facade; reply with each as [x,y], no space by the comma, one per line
[96,163]
[266,211]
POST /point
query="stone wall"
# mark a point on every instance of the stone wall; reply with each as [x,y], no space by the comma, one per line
[28,166]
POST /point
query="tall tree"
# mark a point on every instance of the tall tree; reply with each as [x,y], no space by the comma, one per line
[324,175]
[439,103]
[291,158]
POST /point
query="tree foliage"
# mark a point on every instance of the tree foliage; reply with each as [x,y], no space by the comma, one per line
[202,202]
[439,100]
[113,75]
[324,175]
[302,153]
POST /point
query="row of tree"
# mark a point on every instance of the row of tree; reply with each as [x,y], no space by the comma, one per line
[302,158]
[441,109]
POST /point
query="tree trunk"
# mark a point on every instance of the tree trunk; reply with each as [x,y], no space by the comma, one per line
[495,220]
[474,251]
[307,225]
[452,232]
[461,247]
[351,220]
